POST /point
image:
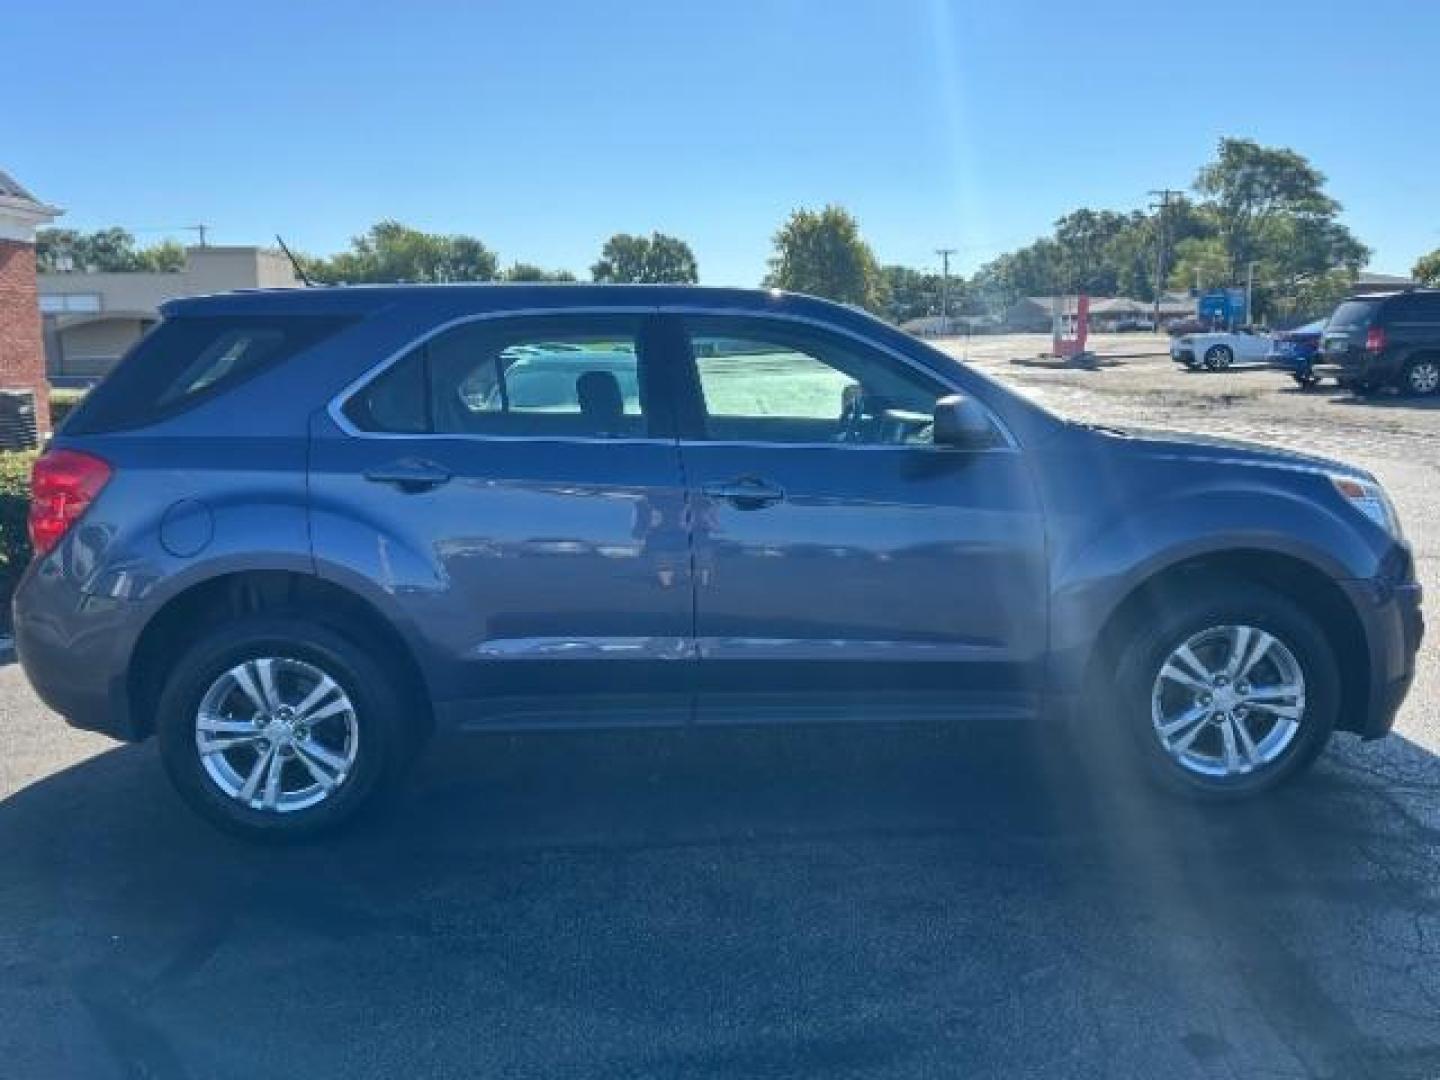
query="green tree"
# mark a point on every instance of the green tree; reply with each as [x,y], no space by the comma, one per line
[1199,262]
[910,293]
[822,253]
[530,272]
[1258,192]
[391,252]
[914,294]
[656,260]
[166,257]
[1087,242]
[1035,270]
[104,250]
[1427,269]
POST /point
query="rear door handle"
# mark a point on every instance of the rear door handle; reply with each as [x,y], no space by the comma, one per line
[746,493]
[409,474]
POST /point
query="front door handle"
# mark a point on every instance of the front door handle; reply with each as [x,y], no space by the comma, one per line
[409,474]
[746,493]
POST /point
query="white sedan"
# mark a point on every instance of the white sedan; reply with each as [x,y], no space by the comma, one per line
[1217,350]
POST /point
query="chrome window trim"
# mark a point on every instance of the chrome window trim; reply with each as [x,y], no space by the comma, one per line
[336,407]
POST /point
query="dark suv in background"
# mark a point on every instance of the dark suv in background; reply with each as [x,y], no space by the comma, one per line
[296,530]
[1385,340]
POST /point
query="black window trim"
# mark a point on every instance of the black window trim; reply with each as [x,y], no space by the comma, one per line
[656,420]
[690,404]
[668,383]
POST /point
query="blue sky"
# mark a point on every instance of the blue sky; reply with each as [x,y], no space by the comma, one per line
[543,127]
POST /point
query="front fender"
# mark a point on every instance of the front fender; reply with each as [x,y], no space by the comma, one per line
[1094,572]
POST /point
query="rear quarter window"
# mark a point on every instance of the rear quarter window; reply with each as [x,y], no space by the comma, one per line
[186,361]
[1352,314]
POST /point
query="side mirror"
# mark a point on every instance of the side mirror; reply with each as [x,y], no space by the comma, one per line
[961,422]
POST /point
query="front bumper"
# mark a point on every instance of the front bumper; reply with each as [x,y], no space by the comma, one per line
[1394,625]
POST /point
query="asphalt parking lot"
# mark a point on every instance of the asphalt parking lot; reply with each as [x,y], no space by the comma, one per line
[883,902]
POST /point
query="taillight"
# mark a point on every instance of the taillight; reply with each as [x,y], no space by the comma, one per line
[62,486]
[1375,339]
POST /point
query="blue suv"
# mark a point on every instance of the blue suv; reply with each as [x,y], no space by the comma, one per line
[296,531]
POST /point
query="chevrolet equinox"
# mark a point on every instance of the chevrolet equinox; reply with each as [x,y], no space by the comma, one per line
[296,531]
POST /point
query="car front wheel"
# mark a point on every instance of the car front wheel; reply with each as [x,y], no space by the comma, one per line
[279,729]
[1229,693]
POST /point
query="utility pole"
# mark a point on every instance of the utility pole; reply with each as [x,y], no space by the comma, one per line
[945,254]
[1164,195]
[1250,293]
[200,231]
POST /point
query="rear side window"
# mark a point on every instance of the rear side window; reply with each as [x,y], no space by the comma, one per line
[185,361]
[1352,315]
[556,376]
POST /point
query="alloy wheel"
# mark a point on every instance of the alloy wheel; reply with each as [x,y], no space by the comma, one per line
[1424,376]
[277,734]
[1228,701]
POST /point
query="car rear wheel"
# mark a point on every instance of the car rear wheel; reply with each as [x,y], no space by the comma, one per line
[1218,357]
[1422,376]
[279,729]
[1229,692]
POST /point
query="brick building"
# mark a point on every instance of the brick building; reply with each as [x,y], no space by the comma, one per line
[22,350]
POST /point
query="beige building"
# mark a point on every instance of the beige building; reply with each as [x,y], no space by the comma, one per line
[91,319]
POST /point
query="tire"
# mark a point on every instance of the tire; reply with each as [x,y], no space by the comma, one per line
[361,745]
[1306,382]
[1218,357]
[1146,699]
[1422,376]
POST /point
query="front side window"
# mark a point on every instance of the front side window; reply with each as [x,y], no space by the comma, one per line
[764,381]
[560,376]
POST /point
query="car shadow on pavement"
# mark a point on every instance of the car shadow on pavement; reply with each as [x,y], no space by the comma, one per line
[811,902]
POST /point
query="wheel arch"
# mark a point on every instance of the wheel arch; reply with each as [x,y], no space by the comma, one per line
[214,600]
[1308,586]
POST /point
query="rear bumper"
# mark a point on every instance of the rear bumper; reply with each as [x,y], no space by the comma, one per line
[1352,368]
[74,649]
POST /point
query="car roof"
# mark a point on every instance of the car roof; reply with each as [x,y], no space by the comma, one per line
[362,300]
[1391,295]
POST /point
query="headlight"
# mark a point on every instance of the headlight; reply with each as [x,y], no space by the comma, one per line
[1370,499]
